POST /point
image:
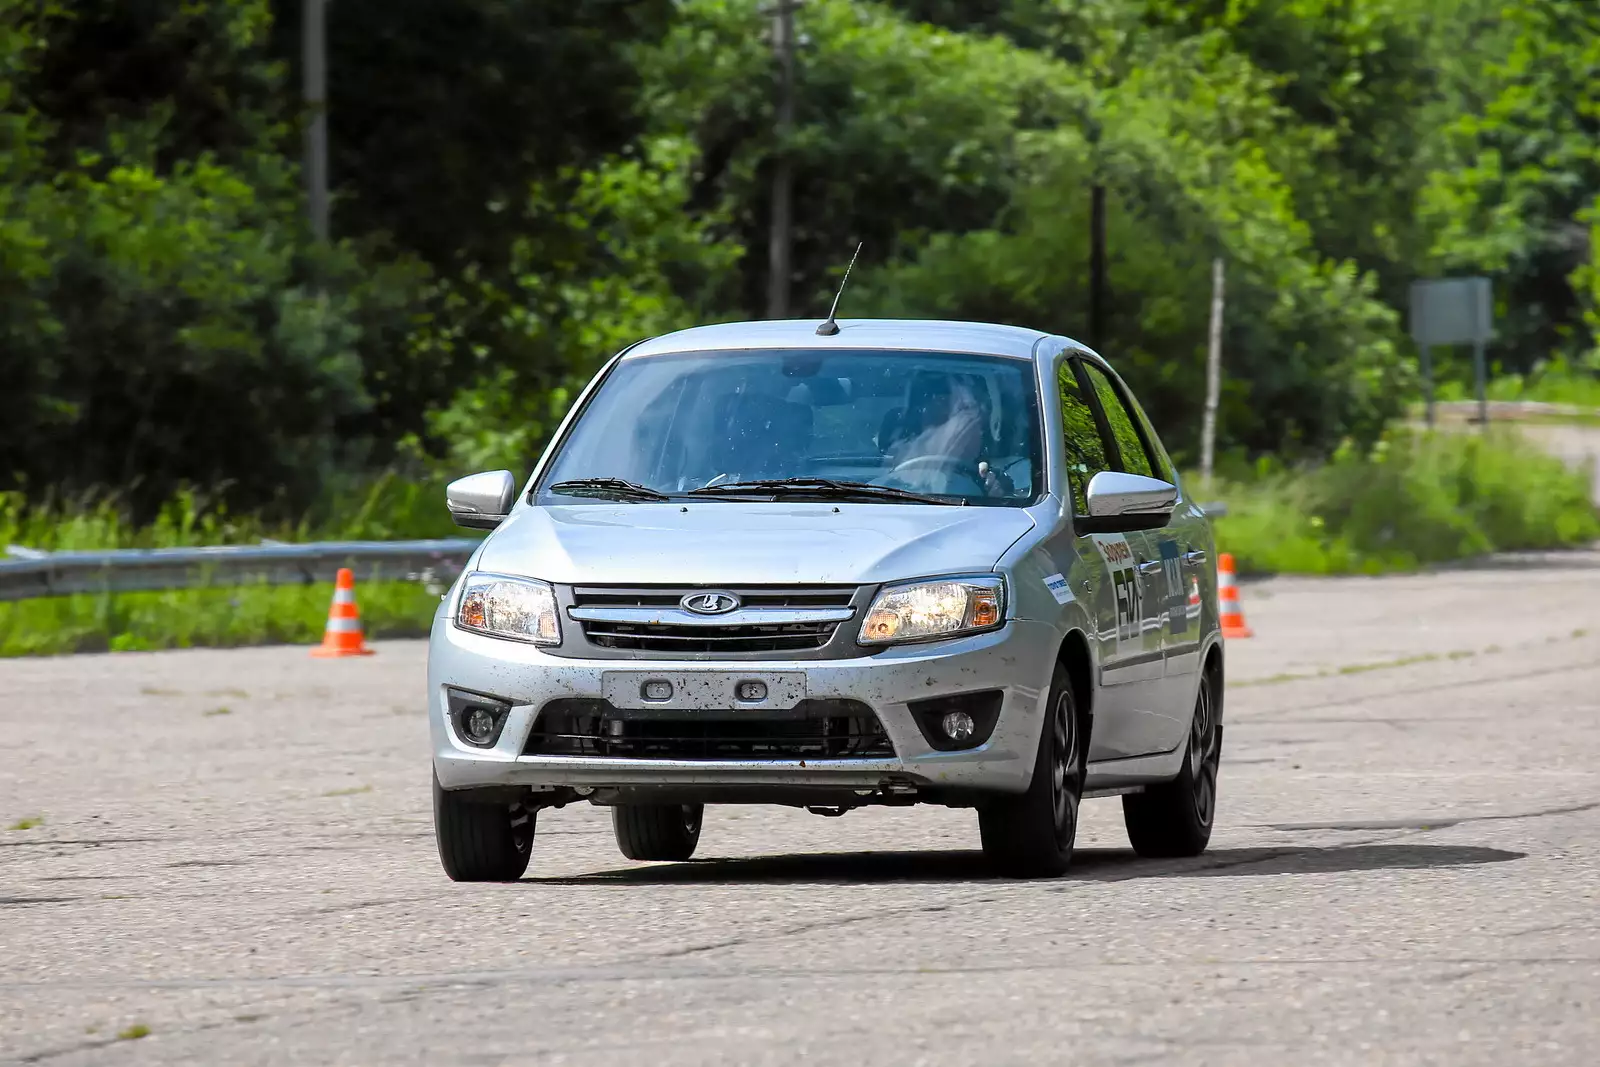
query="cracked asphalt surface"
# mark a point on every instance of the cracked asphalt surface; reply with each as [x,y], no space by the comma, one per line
[234,853]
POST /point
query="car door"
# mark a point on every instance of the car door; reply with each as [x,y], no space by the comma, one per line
[1175,568]
[1186,551]
[1130,651]
[1154,571]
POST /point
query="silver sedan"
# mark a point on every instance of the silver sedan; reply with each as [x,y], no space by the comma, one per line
[904,562]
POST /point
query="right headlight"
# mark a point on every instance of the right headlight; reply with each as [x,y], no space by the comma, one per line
[517,609]
[942,607]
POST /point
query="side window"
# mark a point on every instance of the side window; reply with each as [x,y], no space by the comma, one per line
[1085,451]
[1158,453]
[1129,443]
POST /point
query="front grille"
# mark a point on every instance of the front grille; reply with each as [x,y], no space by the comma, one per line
[810,596]
[814,729]
[658,638]
[749,636]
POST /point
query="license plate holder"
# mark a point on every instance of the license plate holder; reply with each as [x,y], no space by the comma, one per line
[703,690]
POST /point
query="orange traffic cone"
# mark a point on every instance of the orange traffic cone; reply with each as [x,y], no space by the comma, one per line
[343,636]
[1233,624]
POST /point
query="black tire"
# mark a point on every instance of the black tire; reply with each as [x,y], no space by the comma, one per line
[657,831]
[1174,819]
[481,842]
[1031,836]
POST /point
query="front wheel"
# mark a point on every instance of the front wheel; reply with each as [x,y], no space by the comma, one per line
[1174,819]
[481,842]
[1031,836]
[657,831]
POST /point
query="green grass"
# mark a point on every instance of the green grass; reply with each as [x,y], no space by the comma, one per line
[389,508]
[246,615]
[1389,664]
[1415,499]
[28,823]
[1556,382]
[134,1032]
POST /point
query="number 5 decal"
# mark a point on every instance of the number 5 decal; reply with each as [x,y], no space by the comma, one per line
[1129,615]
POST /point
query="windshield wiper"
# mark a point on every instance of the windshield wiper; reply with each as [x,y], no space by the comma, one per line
[824,488]
[608,488]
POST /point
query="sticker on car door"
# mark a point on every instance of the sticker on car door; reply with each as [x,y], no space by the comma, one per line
[1117,553]
[1176,603]
[1057,584]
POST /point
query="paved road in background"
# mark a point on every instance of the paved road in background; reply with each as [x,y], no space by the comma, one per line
[236,854]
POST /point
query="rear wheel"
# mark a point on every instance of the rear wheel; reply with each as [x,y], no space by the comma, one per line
[1174,819]
[657,831]
[1031,836]
[481,842]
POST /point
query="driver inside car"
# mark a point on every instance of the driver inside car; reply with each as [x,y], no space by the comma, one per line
[941,452]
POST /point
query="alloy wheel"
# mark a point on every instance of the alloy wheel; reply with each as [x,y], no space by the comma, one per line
[521,828]
[1064,770]
[1204,754]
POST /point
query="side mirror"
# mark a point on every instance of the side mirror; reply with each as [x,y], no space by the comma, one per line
[1122,503]
[481,501]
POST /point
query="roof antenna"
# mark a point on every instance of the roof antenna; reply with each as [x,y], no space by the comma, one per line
[829,328]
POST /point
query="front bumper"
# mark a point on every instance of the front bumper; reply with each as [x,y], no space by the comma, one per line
[1016,660]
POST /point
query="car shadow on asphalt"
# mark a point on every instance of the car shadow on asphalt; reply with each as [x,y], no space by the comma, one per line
[1097,865]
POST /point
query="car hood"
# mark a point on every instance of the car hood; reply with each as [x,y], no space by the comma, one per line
[752,543]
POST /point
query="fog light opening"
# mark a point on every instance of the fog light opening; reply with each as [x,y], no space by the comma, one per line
[479,724]
[958,721]
[958,726]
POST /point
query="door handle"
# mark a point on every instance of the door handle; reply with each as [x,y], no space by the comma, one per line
[1150,566]
[1196,555]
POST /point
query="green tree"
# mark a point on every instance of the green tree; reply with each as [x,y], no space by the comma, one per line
[901,130]
[172,322]
[1523,169]
[1200,157]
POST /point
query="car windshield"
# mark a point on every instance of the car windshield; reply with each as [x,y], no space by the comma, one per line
[960,428]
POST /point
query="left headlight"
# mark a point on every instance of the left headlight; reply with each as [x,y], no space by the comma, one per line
[518,609]
[944,607]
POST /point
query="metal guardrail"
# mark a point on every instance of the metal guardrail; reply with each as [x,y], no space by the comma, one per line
[29,573]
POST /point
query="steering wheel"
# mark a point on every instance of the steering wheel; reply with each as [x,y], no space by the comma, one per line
[949,465]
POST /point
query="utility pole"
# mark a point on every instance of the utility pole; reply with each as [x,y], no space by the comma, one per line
[1097,236]
[1208,426]
[1097,265]
[778,242]
[314,69]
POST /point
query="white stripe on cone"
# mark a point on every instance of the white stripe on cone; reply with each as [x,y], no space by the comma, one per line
[344,626]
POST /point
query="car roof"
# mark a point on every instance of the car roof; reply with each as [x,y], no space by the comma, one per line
[916,335]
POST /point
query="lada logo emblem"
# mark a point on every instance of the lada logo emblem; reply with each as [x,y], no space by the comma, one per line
[709,603]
